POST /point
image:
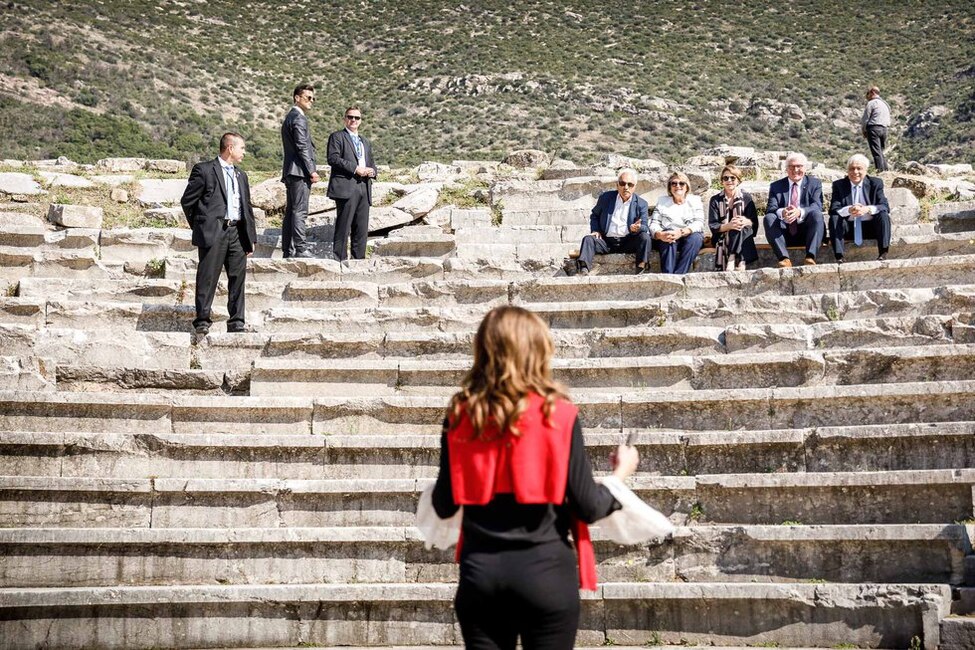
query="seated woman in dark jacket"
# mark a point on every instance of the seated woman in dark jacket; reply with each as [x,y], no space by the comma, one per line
[512,454]
[733,221]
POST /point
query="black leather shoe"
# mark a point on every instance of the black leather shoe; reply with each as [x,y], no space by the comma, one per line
[242,329]
[202,330]
[583,270]
[839,260]
[640,270]
[303,254]
[882,257]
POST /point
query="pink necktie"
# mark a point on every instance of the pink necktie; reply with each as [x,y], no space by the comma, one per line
[794,203]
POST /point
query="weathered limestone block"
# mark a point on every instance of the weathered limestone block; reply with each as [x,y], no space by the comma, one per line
[75,216]
[166,166]
[417,203]
[525,158]
[54,179]
[616,161]
[922,186]
[269,195]
[384,217]
[19,184]
[121,164]
[19,219]
[959,169]
[153,192]
[434,171]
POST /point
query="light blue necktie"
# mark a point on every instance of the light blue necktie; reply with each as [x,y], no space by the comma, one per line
[231,192]
[857,226]
[358,146]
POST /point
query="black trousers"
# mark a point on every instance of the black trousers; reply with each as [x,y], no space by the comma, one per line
[352,218]
[531,592]
[298,189]
[227,253]
[841,229]
[637,243]
[877,140]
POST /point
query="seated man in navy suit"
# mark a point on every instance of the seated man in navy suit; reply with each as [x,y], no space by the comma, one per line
[858,209]
[618,224]
[794,216]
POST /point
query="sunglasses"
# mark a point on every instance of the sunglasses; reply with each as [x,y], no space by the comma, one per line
[678,184]
[308,98]
[725,179]
[353,118]
[625,184]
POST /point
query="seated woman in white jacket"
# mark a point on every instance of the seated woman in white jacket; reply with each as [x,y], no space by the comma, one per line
[677,226]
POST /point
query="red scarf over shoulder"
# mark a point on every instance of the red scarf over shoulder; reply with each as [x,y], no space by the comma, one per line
[533,466]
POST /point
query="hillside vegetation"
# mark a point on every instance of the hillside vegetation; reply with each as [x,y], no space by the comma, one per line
[448,80]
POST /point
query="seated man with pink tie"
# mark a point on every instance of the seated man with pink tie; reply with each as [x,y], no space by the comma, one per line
[859,210]
[794,216]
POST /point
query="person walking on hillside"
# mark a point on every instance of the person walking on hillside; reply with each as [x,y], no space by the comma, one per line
[217,205]
[350,185]
[874,124]
[298,172]
[512,455]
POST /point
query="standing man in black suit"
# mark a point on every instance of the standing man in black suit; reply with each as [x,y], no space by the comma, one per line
[299,172]
[350,185]
[794,215]
[217,204]
[858,209]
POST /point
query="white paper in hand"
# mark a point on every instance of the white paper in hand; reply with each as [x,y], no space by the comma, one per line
[436,532]
[636,522]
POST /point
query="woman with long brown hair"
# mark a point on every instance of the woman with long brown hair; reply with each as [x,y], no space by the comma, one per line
[512,455]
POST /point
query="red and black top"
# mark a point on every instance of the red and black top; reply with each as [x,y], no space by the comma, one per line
[523,490]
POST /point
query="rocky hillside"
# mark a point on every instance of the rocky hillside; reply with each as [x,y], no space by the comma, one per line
[448,80]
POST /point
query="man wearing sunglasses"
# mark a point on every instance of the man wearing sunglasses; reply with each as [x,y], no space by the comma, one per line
[618,224]
[350,185]
[299,172]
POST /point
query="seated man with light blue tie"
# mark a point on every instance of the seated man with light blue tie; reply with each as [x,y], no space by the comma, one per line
[617,224]
[859,209]
[794,215]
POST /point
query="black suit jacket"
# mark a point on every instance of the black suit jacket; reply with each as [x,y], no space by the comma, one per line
[873,191]
[205,205]
[341,157]
[299,148]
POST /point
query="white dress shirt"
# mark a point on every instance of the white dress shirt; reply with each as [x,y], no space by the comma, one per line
[617,222]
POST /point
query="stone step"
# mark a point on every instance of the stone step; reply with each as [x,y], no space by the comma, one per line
[17,262]
[863,615]
[43,238]
[165,454]
[288,377]
[904,496]
[957,633]
[261,294]
[715,312]
[745,408]
[639,341]
[88,557]
[408,244]
[126,379]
